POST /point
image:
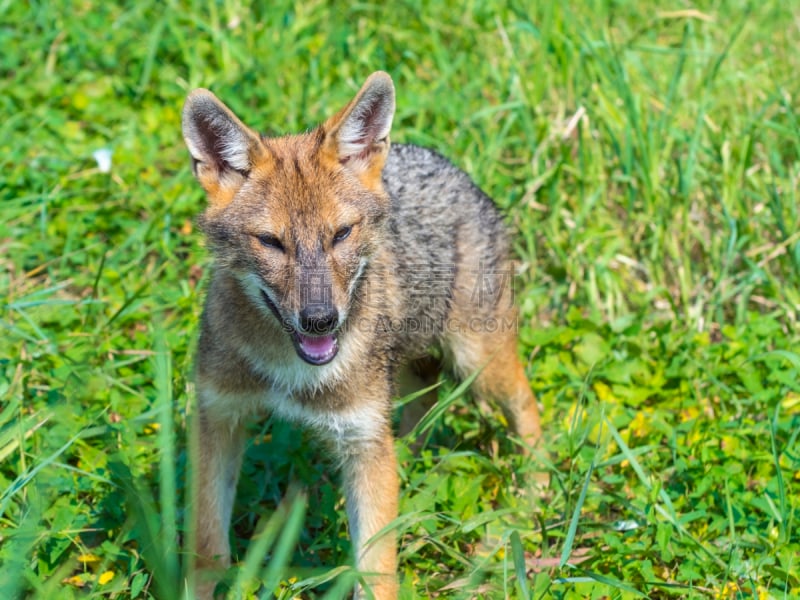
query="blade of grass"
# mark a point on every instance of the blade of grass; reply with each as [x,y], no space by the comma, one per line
[20,482]
[576,515]
[281,530]
[438,409]
[144,523]
[782,499]
[168,493]
[282,555]
[519,565]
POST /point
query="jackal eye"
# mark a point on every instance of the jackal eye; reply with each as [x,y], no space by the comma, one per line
[342,234]
[270,241]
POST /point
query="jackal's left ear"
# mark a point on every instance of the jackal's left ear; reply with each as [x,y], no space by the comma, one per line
[223,148]
[358,136]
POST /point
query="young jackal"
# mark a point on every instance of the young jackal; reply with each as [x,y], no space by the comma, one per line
[339,264]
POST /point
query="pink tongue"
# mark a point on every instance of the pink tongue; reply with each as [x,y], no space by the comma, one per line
[316,346]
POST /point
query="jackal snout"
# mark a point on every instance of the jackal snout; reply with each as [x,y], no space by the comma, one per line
[321,298]
[318,319]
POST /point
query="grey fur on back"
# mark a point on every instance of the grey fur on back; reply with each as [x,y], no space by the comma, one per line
[445,232]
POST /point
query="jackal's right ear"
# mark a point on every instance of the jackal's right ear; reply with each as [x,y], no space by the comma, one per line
[358,136]
[223,148]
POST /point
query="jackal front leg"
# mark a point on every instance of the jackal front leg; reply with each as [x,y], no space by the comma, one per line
[218,448]
[371,489]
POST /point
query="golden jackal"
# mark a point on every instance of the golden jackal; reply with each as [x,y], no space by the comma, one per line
[339,263]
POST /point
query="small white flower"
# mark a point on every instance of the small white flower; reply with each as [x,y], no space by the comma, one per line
[103,158]
[625,525]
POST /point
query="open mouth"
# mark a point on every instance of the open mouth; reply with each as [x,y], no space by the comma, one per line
[314,349]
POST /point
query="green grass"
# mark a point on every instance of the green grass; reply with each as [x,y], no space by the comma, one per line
[648,156]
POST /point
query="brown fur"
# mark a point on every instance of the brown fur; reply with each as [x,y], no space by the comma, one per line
[334,211]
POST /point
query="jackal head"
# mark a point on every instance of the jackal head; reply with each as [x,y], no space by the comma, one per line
[295,219]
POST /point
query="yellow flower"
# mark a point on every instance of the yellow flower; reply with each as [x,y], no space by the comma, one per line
[727,591]
[689,413]
[791,403]
[105,577]
[604,393]
[638,426]
[76,580]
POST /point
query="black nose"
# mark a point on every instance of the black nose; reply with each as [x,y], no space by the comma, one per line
[319,320]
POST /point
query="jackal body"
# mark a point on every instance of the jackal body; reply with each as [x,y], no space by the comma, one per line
[339,263]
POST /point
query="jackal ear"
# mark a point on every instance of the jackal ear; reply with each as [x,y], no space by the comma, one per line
[223,148]
[359,134]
